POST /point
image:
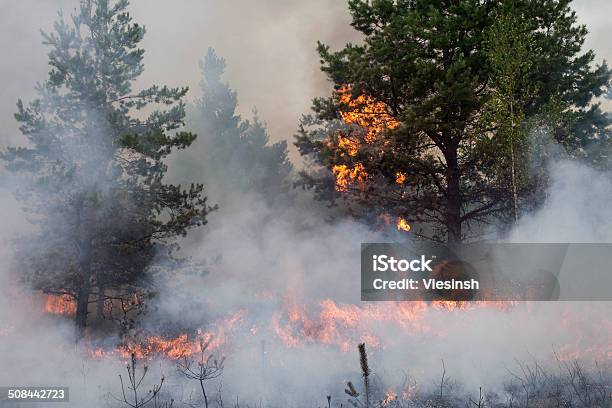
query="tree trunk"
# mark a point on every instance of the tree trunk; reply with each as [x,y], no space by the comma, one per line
[515,208]
[453,196]
[84,288]
[100,301]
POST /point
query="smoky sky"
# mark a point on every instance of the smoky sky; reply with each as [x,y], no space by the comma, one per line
[269,46]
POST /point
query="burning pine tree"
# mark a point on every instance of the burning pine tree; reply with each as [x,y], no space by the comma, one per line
[354,144]
[417,124]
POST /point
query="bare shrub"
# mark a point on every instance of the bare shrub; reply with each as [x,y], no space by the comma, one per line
[204,369]
[131,392]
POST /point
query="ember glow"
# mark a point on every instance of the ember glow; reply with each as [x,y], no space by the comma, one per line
[60,305]
[402,225]
[390,396]
[400,178]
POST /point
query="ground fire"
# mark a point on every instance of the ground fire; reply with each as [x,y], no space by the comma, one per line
[295,326]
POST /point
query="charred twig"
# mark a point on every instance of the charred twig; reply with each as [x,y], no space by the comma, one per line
[202,370]
[131,397]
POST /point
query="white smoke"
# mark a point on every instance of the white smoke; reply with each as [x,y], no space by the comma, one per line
[577,208]
[266,262]
[272,261]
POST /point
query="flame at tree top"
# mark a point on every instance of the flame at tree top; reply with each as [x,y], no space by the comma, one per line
[367,113]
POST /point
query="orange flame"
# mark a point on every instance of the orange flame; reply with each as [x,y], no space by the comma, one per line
[156,345]
[173,348]
[367,113]
[402,225]
[370,115]
[329,323]
[343,326]
[400,178]
[60,305]
[182,346]
[390,396]
[349,145]
[346,176]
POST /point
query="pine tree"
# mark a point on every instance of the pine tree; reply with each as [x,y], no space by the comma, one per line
[92,172]
[427,68]
[233,155]
[267,163]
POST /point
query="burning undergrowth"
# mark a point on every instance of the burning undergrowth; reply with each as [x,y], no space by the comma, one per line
[279,299]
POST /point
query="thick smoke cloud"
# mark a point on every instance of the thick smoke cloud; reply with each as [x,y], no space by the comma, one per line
[576,210]
[271,266]
[285,265]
